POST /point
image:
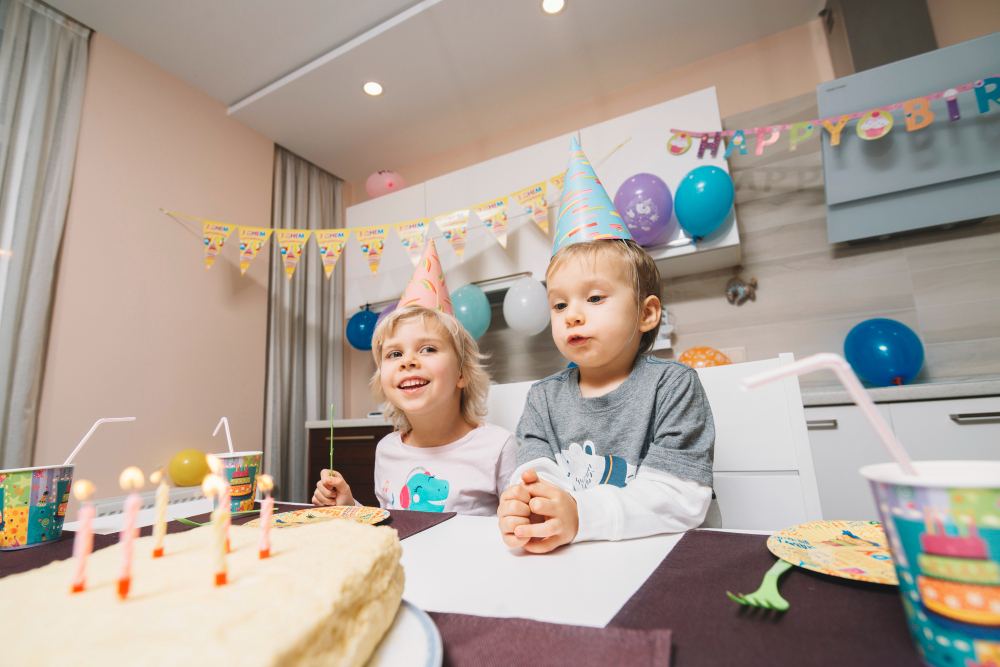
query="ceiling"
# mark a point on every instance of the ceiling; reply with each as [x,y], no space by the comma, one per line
[453,71]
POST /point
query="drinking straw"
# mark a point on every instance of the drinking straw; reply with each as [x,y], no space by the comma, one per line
[228,437]
[92,428]
[846,375]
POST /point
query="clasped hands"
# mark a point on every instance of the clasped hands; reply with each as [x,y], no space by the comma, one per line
[537,516]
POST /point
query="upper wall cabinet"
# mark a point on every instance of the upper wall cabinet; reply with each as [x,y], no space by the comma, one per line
[619,148]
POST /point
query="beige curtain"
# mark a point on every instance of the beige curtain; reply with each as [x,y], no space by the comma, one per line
[43,67]
[305,326]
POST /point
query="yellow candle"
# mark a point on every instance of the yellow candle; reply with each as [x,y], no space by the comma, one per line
[267,507]
[162,500]
[214,486]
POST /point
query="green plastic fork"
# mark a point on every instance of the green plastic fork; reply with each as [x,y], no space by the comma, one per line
[767,595]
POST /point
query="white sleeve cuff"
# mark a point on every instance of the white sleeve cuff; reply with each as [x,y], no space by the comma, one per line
[547,471]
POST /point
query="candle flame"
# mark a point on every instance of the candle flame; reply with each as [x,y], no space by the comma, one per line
[157,475]
[83,489]
[131,479]
[266,483]
[212,486]
[214,464]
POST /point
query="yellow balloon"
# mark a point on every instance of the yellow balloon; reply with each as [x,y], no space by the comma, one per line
[188,467]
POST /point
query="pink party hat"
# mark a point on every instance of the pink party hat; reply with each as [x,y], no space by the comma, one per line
[427,286]
[586,212]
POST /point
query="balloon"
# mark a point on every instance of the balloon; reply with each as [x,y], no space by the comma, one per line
[703,200]
[188,467]
[360,328]
[645,204]
[884,352]
[385,313]
[703,357]
[383,182]
[526,307]
[472,309]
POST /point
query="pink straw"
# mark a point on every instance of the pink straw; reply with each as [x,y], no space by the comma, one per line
[846,375]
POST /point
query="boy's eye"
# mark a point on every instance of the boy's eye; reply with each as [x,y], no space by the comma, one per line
[394,354]
[596,298]
[558,306]
[428,348]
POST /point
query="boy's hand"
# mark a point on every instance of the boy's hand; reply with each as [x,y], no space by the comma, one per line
[557,507]
[513,512]
[332,489]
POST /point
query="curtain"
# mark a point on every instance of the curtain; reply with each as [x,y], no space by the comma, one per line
[305,326]
[43,67]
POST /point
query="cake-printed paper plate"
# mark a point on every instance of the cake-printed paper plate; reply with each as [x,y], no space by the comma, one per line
[851,549]
[371,515]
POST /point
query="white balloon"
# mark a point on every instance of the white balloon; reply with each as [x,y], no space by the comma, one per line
[526,307]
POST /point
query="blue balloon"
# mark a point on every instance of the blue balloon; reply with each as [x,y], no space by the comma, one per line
[884,352]
[360,328]
[472,309]
[703,200]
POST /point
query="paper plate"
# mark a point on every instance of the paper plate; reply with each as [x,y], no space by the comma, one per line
[411,641]
[851,549]
[371,515]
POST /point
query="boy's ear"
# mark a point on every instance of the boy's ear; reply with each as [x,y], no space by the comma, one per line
[649,317]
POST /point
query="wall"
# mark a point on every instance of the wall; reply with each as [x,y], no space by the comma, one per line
[957,21]
[139,328]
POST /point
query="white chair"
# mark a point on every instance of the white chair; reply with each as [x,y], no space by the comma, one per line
[764,476]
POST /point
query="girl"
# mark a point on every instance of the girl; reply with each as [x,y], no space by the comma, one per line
[432,386]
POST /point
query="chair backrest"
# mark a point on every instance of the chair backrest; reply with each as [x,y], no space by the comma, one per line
[764,476]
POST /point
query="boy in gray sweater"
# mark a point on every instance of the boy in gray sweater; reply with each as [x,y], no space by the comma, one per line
[621,446]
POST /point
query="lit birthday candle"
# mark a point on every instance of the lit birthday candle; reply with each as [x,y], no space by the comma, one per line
[83,542]
[215,465]
[162,499]
[213,487]
[131,480]
[266,484]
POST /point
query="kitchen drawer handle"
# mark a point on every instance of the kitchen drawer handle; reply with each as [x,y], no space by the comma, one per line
[818,424]
[350,437]
[976,417]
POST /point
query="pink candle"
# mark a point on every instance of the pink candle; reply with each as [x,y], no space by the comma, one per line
[213,487]
[131,480]
[267,507]
[83,541]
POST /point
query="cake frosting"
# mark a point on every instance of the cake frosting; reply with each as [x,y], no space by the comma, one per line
[326,596]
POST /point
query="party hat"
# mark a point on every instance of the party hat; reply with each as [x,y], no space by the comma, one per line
[586,212]
[427,286]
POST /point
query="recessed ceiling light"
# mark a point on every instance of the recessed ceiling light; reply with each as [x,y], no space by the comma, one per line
[373,88]
[553,6]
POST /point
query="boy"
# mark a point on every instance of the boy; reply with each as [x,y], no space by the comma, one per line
[645,462]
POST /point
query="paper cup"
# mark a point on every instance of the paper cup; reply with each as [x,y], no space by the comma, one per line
[240,470]
[944,532]
[33,505]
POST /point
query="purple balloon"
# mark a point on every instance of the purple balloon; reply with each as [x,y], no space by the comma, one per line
[385,313]
[645,204]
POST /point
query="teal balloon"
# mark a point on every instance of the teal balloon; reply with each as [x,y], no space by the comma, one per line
[884,352]
[472,309]
[703,200]
[360,328]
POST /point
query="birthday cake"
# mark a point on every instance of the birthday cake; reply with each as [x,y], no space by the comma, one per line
[326,596]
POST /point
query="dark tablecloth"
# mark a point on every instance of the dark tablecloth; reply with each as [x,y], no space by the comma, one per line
[405,522]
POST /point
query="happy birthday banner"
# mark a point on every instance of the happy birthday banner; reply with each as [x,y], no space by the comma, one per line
[872,123]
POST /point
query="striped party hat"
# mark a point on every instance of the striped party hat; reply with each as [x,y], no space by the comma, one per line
[586,213]
[427,286]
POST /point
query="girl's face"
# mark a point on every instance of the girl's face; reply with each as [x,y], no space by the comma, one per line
[420,370]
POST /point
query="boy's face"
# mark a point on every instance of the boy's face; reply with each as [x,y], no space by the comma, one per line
[594,315]
[419,369]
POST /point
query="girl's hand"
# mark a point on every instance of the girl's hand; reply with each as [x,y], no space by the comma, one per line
[514,510]
[332,489]
[557,507]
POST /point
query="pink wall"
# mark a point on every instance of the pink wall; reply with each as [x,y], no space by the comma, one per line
[957,21]
[139,327]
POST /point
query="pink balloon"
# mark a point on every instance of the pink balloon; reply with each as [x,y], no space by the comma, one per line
[383,182]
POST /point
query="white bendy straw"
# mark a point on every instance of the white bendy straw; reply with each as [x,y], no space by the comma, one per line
[228,437]
[846,375]
[92,429]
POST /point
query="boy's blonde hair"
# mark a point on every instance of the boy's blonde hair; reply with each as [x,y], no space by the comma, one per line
[477,380]
[640,271]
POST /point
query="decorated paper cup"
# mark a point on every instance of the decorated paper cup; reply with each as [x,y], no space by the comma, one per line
[240,470]
[33,505]
[944,532]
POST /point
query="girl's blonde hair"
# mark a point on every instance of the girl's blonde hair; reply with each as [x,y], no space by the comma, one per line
[477,380]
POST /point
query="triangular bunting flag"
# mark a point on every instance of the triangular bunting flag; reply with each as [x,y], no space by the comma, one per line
[252,239]
[372,240]
[291,242]
[215,234]
[414,236]
[331,243]
[533,201]
[558,181]
[453,226]
[426,288]
[494,216]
